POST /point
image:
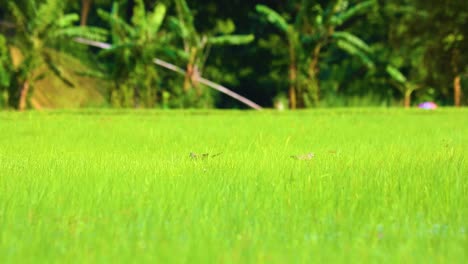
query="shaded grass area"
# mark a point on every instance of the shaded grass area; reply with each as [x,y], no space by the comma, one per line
[383,186]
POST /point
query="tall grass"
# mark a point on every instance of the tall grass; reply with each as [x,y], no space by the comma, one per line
[384,186]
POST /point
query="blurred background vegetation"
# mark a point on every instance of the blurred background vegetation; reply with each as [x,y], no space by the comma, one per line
[297,53]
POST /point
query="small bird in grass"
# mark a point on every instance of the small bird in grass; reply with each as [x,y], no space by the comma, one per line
[307,156]
[203,155]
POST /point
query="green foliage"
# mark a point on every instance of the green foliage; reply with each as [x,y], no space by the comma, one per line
[225,27]
[396,74]
[344,15]
[197,47]
[273,17]
[352,40]
[5,64]
[41,26]
[133,48]
[355,46]
[231,39]
[337,48]
[185,22]
[6,71]
[307,38]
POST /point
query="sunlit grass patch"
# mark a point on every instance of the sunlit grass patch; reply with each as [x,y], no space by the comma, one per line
[382,186]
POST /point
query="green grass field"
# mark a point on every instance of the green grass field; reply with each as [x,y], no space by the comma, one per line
[384,186]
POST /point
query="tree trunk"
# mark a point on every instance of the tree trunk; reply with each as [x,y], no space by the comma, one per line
[292,86]
[407,102]
[457,91]
[85,7]
[456,81]
[313,73]
[187,77]
[190,69]
[292,93]
[23,96]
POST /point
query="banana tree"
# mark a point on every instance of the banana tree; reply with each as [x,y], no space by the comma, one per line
[294,47]
[41,26]
[452,45]
[133,47]
[197,45]
[405,86]
[313,29]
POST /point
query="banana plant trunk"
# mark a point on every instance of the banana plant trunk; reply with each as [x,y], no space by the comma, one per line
[313,73]
[85,7]
[292,86]
[407,99]
[292,73]
[23,96]
[190,69]
[456,80]
[457,91]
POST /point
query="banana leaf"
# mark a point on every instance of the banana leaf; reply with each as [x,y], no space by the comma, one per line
[139,13]
[396,74]
[156,18]
[231,39]
[355,51]
[273,17]
[340,18]
[114,21]
[67,20]
[93,33]
[352,39]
